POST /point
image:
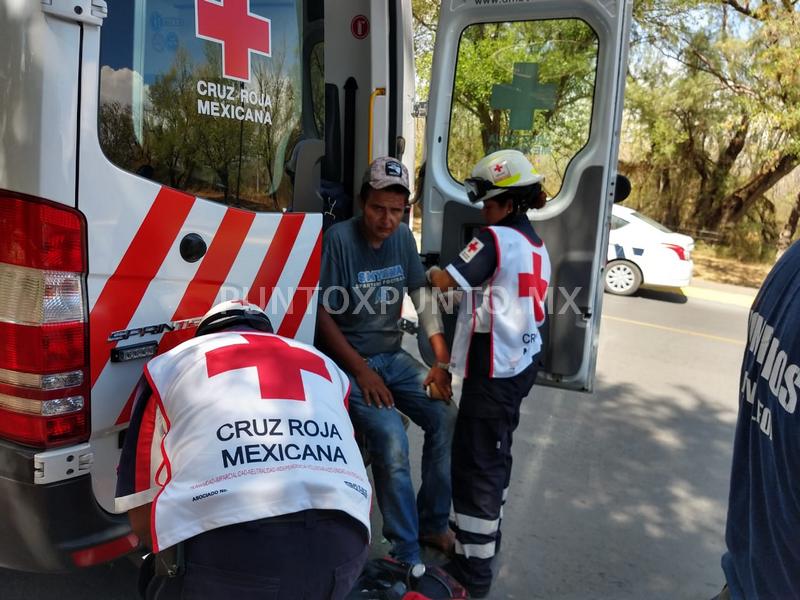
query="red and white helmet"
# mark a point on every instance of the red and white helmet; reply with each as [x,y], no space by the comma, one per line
[234,312]
[498,172]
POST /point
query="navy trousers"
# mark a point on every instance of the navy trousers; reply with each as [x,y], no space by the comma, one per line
[310,555]
[481,470]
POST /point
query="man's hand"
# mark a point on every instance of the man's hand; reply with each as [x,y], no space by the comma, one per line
[441,378]
[373,388]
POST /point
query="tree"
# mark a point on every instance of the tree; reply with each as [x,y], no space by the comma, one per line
[731,131]
[564,52]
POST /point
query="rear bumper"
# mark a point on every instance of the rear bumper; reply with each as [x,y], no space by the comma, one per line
[678,274]
[42,525]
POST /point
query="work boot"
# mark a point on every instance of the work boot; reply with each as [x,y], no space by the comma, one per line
[474,591]
[443,542]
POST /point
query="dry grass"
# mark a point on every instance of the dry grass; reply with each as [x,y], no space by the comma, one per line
[710,267]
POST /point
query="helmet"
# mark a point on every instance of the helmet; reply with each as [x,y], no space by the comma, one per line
[498,172]
[234,312]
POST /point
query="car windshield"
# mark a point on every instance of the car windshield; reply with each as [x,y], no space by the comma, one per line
[650,221]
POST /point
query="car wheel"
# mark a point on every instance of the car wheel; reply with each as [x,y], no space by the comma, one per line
[623,278]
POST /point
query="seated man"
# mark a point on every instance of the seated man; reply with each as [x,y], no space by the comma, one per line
[368,262]
[241,457]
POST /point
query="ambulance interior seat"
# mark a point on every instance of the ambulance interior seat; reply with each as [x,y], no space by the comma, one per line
[304,167]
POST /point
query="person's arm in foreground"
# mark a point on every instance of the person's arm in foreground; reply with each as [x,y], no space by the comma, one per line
[333,342]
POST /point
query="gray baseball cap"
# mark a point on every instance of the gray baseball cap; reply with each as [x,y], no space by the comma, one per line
[386,171]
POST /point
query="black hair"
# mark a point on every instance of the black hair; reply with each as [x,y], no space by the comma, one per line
[366,188]
[524,198]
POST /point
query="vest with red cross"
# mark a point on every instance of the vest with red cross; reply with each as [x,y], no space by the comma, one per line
[253,425]
[510,306]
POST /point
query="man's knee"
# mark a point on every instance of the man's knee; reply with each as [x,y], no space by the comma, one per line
[443,418]
[386,439]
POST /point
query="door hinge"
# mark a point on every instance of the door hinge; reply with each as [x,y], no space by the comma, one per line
[63,463]
[91,12]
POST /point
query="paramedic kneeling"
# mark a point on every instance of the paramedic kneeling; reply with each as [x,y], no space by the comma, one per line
[504,273]
[240,455]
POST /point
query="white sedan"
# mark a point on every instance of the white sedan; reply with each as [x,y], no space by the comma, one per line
[642,251]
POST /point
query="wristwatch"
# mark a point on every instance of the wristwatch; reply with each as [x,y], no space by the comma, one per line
[445,366]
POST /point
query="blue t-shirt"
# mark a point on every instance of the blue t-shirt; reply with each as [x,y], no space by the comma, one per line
[763,529]
[363,287]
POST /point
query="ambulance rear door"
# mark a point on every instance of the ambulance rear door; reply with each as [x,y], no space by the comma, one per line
[190,111]
[545,77]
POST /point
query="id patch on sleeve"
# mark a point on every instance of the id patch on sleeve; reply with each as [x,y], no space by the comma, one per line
[469,252]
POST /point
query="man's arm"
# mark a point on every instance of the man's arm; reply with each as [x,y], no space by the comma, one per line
[332,341]
[139,518]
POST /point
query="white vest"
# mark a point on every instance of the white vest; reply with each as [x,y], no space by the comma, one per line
[251,434]
[510,306]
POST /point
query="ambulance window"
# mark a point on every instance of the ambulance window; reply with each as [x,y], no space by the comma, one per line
[204,97]
[527,85]
[317,74]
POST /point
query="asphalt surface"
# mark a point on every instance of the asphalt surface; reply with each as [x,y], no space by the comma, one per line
[615,495]
[623,493]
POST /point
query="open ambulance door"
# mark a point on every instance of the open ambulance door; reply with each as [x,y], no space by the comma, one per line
[545,77]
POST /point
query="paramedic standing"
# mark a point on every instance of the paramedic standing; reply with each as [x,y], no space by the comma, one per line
[368,263]
[503,273]
[762,535]
[240,460]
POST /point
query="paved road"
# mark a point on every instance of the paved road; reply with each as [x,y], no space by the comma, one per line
[615,495]
[622,494]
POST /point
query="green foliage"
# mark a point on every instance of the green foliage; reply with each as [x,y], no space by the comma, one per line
[565,52]
[712,119]
[713,114]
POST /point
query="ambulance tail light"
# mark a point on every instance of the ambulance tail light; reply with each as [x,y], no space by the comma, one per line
[44,387]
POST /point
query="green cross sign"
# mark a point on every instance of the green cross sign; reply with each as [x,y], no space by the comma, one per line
[524,96]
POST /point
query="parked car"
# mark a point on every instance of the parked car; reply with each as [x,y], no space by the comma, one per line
[642,251]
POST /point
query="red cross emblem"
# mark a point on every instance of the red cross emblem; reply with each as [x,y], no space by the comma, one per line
[473,247]
[240,32]
[498,168]
[279,365]
[531,285]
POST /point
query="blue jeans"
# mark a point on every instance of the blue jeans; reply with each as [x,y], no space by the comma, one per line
[403,518]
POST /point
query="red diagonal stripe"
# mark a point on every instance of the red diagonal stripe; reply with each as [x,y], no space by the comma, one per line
[204,288]
[305,291]
[278,254]
[125,415]
[217,263]
[125,289]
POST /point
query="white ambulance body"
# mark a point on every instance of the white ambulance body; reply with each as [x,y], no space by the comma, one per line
[159,156]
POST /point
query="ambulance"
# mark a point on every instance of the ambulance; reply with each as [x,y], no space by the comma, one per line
[159,156]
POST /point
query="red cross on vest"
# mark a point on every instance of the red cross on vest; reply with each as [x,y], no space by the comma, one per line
[279,365]
[240,32]
[473,247]
[531,285]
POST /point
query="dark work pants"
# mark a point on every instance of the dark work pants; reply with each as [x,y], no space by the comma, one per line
[481,469]
[311,555]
